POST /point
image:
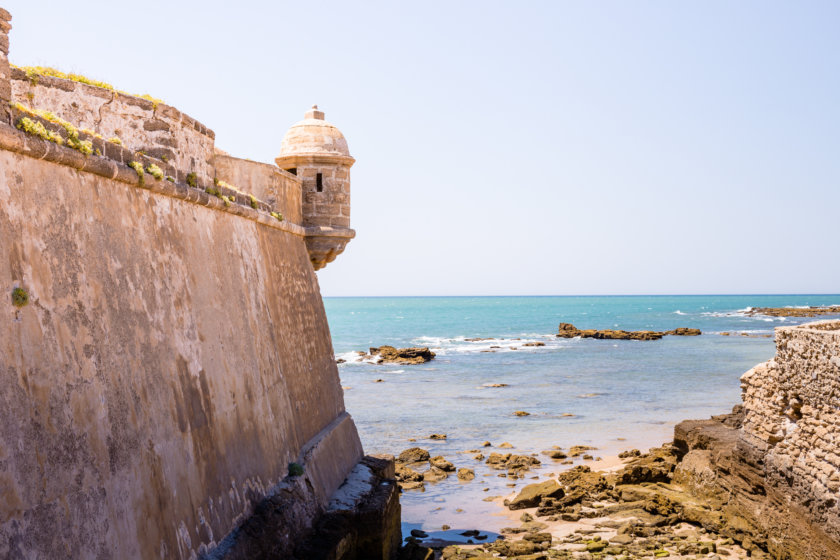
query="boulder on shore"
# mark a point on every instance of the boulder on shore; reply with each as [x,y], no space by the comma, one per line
[389,354]
[531,495]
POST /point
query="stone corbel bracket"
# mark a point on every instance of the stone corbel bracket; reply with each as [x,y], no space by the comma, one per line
[326,243]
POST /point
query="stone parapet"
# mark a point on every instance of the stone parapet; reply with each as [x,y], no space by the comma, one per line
[142,125]
[278,188]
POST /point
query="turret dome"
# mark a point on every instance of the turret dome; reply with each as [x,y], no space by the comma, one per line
[313,136]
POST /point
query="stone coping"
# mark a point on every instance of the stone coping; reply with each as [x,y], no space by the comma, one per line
[27,145]
[831,325]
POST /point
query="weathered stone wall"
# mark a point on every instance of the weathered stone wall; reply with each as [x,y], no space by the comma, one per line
[173,358]
[5,70]
[269,183]
[792,405]
[156,129]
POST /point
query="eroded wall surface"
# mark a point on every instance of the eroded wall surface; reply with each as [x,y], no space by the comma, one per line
[172,360]
[792,408]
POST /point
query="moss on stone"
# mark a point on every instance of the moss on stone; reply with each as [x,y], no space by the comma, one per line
[34,72]
[36,128]
[138,168]
[154,171]
[192,179]
[20,297]
[277,216]
[73,140]
[295,469]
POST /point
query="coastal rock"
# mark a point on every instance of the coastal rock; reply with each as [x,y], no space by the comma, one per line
[419,533]
[521,462]
[555,454]
[795,311]
[531,495]
[511,462]
[413,486]
[577,450]
[534,344]
[441,463]
[568,330]
[413,455]
[466,474]
[406,474]
[437,436]
[497,458]
[684,331]
[406,356]
[656,466]
[521,413]
[434,474]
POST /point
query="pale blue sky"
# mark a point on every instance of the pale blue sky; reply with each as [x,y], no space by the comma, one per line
[515,147]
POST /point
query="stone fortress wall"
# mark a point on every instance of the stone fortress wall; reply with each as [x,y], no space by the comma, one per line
[792,418]
[164,351]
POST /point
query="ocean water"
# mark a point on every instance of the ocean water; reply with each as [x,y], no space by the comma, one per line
[612,395]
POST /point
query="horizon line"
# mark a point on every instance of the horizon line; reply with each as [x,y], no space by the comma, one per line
[593,295]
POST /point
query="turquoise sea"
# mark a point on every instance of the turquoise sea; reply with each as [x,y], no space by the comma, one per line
[613,395]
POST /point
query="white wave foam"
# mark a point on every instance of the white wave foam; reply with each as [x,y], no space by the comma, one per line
[354,358]
[472,345]
[678,312]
